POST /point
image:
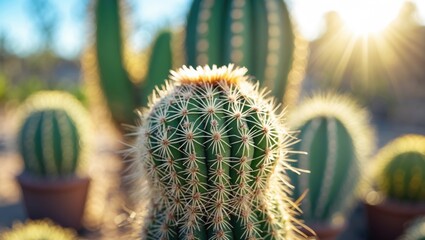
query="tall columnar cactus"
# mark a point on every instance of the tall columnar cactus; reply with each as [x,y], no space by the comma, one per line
[52,133]
[256,34]
[121,89]
[400,169]
[336,135]
[213,151]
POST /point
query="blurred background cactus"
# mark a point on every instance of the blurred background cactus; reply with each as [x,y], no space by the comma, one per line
[38,230]
[213,151]
[122,89]
[336,135]
[52,134]
[400,169]
[259,35]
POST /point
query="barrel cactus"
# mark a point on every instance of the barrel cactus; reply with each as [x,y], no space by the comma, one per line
[256,34]
[213,152]
[114,75]
[400,169]
[38,230]
[52,136]
[336,134]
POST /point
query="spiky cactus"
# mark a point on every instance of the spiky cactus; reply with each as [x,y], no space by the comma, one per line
[400,169]
[38,230]
[51,136]
[213,151]
[256,34]
[337,138]
[122,89]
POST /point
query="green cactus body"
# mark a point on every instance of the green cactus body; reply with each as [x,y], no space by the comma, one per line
[213,150]
[337,138]
[122,90]
[400,171]
[160,62]
[256,34]
[114,79]
[49,138]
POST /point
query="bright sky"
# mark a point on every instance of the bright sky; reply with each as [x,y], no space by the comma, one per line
[146,15]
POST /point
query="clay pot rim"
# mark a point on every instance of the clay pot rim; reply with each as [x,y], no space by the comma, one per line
[37,183]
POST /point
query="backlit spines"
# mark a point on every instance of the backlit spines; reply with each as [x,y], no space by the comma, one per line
[256,34]
[214,152]
[400,169]
[51,134]
[336,134]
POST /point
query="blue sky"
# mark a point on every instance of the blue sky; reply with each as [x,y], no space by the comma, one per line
[73,31]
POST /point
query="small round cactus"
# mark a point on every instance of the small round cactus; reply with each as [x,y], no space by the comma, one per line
[38,230]
[52,134]
[400,169]
[213,152]
[337,137]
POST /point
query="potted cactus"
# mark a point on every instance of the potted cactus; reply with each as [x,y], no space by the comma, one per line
[337,137]
[209,161]
[38,230]
[398,193]
[52,143]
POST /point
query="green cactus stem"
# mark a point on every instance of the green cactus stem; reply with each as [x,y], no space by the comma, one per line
[121,89]
[256,34]
[51,134]
[400,169]
[337,137]
[213,151]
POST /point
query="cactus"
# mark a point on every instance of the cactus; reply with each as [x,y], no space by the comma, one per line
[121,88]
[51,136]
[415,231]
[400,169]
[337,137]
[256,34]
[213,151]
[38,230]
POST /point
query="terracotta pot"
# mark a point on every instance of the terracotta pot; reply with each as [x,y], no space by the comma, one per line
[388,220]
[62,200]
[323,231]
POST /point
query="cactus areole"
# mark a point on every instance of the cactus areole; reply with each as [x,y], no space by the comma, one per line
[213,151]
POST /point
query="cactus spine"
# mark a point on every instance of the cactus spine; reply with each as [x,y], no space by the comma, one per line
[120,88]
[256,34]
[400,169]
[213,151]
[50,136]
[335,133]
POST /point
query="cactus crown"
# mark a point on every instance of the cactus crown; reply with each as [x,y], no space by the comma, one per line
[400,169]
[38,230]
[52,136]
[337,137]
[213,152]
